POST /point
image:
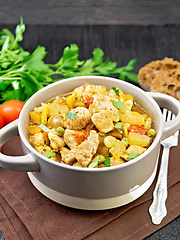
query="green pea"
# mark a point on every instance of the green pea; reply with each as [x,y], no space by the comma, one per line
[100,159]
[151,133]
[60,131]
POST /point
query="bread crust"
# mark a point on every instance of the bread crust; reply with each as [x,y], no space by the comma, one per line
[161,76]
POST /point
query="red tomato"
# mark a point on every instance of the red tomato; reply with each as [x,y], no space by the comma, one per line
[1,121]
[10,110]
[88,100]
[138,129]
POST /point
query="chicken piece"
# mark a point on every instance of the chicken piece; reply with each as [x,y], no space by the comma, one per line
[67,156]
[43,148]
[83,156]
[115,162]
[103,121]
[112,93]
[81,119]
[74,137]
[37,139]
[133,149]
[103,102]
[148,123]
[83,152]
[69,138]
[56,142]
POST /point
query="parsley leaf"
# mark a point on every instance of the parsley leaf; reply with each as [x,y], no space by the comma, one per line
[98,55]
[107,162]
[71,115]
[132,155]
[132,63]
[118,125]
[132,76]
[35,61]
[118,104]
[116,90]
[106,68]
[19,31]
[69,58]
[49,154]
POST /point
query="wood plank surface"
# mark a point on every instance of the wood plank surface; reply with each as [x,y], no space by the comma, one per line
[119,43]
[82,12]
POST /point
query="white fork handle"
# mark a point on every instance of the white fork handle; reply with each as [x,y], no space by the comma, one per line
[158,209]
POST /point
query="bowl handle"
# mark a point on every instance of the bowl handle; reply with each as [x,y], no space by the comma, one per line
[172,104]
[26,163]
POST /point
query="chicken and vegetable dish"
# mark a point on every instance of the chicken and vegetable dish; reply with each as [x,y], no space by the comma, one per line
[91,127]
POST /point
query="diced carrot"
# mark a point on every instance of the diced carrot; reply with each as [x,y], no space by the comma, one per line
[88,100]
[80,136]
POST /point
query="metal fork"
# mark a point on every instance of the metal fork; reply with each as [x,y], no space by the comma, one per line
[158,209]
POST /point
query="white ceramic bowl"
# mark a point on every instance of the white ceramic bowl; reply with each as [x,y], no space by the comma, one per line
[85,188]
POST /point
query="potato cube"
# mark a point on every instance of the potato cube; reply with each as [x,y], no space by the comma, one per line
[140,140]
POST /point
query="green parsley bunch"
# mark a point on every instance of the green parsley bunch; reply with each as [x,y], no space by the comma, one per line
[23,73]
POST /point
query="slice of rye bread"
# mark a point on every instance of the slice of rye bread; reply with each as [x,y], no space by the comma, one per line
[161,76]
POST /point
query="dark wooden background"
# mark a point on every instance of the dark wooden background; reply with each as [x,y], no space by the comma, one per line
[81,12]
